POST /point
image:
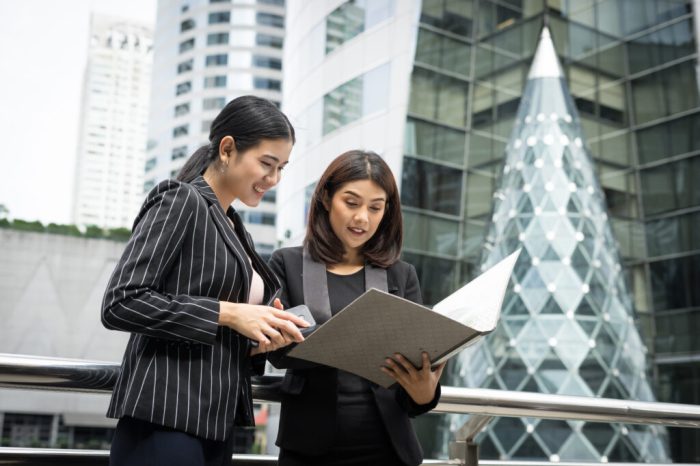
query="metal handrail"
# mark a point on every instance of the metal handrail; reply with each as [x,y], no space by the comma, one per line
[34,372]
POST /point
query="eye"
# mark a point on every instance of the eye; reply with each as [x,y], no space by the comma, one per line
[375,209]
[267,164]
[351,203]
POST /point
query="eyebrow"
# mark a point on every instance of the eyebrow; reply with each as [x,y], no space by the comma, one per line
[274,158]
[353,193]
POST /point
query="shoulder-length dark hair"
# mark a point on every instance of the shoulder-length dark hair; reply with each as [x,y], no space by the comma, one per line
[382,249]
[249,120]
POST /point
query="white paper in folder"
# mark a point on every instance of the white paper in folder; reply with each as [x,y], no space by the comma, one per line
[378,324]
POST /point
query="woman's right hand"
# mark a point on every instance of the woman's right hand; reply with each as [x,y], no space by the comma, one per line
[270,327]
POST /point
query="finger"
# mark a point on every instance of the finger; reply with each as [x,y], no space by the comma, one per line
[426,362]
[278,304]
[274,336]
[261,338]
[288,327]
[405,363]
[439,369]
[389,372]
[398,369]
[296,320]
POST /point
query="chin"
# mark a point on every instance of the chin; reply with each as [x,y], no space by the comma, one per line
[251,202]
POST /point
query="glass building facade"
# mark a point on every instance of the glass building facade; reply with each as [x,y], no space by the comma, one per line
[631,68]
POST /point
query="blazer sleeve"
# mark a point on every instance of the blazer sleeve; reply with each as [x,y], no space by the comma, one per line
[412,408]
[279,358]
[132,301]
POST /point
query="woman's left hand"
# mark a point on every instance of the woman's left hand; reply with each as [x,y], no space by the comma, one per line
[420,383]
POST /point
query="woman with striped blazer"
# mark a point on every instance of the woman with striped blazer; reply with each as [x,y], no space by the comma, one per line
[194,294]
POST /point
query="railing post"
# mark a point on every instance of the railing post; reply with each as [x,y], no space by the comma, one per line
[465,449]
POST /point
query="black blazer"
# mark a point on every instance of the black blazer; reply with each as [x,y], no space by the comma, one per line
[307,419]
[180,368]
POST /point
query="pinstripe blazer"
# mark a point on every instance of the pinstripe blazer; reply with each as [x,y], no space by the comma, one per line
[180,368]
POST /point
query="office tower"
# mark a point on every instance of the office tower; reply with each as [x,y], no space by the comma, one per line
[206,53]
[114,115]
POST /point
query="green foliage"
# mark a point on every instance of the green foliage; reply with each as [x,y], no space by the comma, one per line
[92,231]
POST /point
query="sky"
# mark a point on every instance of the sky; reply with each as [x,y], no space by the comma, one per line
[43,53]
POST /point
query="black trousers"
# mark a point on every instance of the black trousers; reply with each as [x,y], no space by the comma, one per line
[141,443]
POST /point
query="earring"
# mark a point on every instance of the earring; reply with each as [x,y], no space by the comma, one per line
[224,167]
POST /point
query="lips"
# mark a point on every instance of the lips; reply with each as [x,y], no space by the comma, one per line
[356,231]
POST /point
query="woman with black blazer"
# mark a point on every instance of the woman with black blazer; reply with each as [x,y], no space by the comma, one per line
[195,295]
[353,242]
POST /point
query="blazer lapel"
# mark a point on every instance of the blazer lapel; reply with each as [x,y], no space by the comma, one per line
[315,283]
[226,231]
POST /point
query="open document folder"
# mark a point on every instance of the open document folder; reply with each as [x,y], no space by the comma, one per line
[377,325]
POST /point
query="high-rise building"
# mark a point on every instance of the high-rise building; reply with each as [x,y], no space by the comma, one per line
[112,138]
[434,86]
[206,53]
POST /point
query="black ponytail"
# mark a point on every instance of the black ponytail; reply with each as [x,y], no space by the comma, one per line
[195,165]
[248,120]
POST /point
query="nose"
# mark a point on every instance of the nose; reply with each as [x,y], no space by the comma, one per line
[362,215]
[273,178]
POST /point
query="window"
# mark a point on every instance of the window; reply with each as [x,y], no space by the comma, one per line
[178,153]
[434,142]
[185,66]
[674,283]
[356,98]
[219,1]
[186,45]
[214,81]
[260,218]
[148,185]
[352,18]
[181,130]
[186,25]
[206,126]
[270,196]
[182,109]
[271,2]
[217,60]
[671,186]
[267,40]
[267,19]
[214,103]
[220,17]
[265,83]
[150,164]
[666,92]
[434,187]
[217,38]
[267,62]
[183,88]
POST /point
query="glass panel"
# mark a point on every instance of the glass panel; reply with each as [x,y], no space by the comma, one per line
[677,332]
[664,93]
[455,16]
[436,276]
[352,18]
[673,235]
[431,234]
[435,142]
[356,98]
[433,187]
[671,186]
[674,283]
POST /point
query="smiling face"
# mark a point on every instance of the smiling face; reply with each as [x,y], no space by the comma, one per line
[355,212]
[249,174]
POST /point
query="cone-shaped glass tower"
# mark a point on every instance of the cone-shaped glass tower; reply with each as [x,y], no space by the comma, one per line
[567,324]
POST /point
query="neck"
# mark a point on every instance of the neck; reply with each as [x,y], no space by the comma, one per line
[352,257]
[214,181]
